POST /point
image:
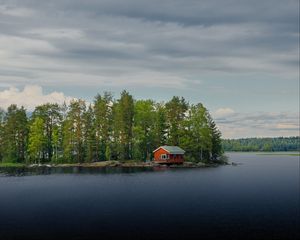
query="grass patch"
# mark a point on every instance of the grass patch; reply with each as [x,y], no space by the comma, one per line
[6,164]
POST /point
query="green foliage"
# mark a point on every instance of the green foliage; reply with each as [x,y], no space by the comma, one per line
[124,125]
[262,144]
[2,113]
[175,113]
[107,153]
[56,143]
[160,125]
[73,132]
[109,129]
[197,136]
[15,134]
[143,131]
[51,116]
[37,140]
[89,135]
[216,141]
[11,165]
[102,124]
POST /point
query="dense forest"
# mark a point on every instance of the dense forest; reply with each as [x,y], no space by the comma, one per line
[107,129]
[262,144]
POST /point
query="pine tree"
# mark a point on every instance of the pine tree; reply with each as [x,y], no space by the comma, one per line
[89,135]
[116,146]
[52,117]
[160,125]
[143,131]
[37,140]
[197,140]
[175,109]
[103,121]
[57,143]
[125,120]
[15,134]
[217,149]
[121,129]
[107,153]
[73,132]
[1,133]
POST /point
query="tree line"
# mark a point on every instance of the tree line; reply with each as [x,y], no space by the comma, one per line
[107,129]
[262,144]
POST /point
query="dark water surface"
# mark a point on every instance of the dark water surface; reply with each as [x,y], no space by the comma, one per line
[258,199]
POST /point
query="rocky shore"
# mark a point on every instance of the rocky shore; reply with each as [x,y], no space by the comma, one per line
[127,164]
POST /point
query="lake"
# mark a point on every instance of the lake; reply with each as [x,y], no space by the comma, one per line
[257,199]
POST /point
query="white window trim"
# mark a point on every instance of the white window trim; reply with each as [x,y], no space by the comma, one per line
[164,156]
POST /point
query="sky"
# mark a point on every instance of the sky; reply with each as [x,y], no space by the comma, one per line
[240,58]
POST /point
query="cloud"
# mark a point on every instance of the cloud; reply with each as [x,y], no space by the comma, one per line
[15,11]
[242,54]
[257,124]
[56,33]
[30,96]
[287,126]
[223,112]
[187,39]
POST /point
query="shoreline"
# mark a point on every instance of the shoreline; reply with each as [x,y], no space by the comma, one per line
[112,164]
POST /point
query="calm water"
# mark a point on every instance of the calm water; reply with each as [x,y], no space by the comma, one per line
[258,199]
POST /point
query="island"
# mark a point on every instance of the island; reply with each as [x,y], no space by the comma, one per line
[110,132]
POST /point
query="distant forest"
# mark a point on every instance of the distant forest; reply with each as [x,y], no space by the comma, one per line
[107,129]
[262,144]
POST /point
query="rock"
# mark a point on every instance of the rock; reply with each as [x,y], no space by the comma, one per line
[33,165]
[201,164]
[188,164]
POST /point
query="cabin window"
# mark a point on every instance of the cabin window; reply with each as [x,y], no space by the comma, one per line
[164,156]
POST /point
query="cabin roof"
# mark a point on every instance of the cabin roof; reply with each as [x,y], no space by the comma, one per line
[172,149]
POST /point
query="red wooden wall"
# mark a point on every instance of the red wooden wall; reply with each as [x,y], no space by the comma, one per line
[178,158]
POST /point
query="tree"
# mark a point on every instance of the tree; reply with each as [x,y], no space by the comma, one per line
[175,112]
[37,140]
[73,135]
[123,125]
[197,138]
[103,121]
[52,117]
[56,143]
[116,132]
[262,144]
[217,149]
[143,131]
[160,125]
[1,133]
[107,153]
[121,129]
[15,134]
[89,135]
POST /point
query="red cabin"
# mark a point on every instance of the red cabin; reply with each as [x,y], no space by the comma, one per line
[169,155]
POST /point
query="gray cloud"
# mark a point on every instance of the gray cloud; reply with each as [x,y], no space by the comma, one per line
[185,38]
[271,124]
[236,51]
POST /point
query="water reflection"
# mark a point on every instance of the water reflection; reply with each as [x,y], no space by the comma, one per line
[28,171]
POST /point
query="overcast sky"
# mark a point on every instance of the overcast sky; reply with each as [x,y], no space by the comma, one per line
[238,57]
